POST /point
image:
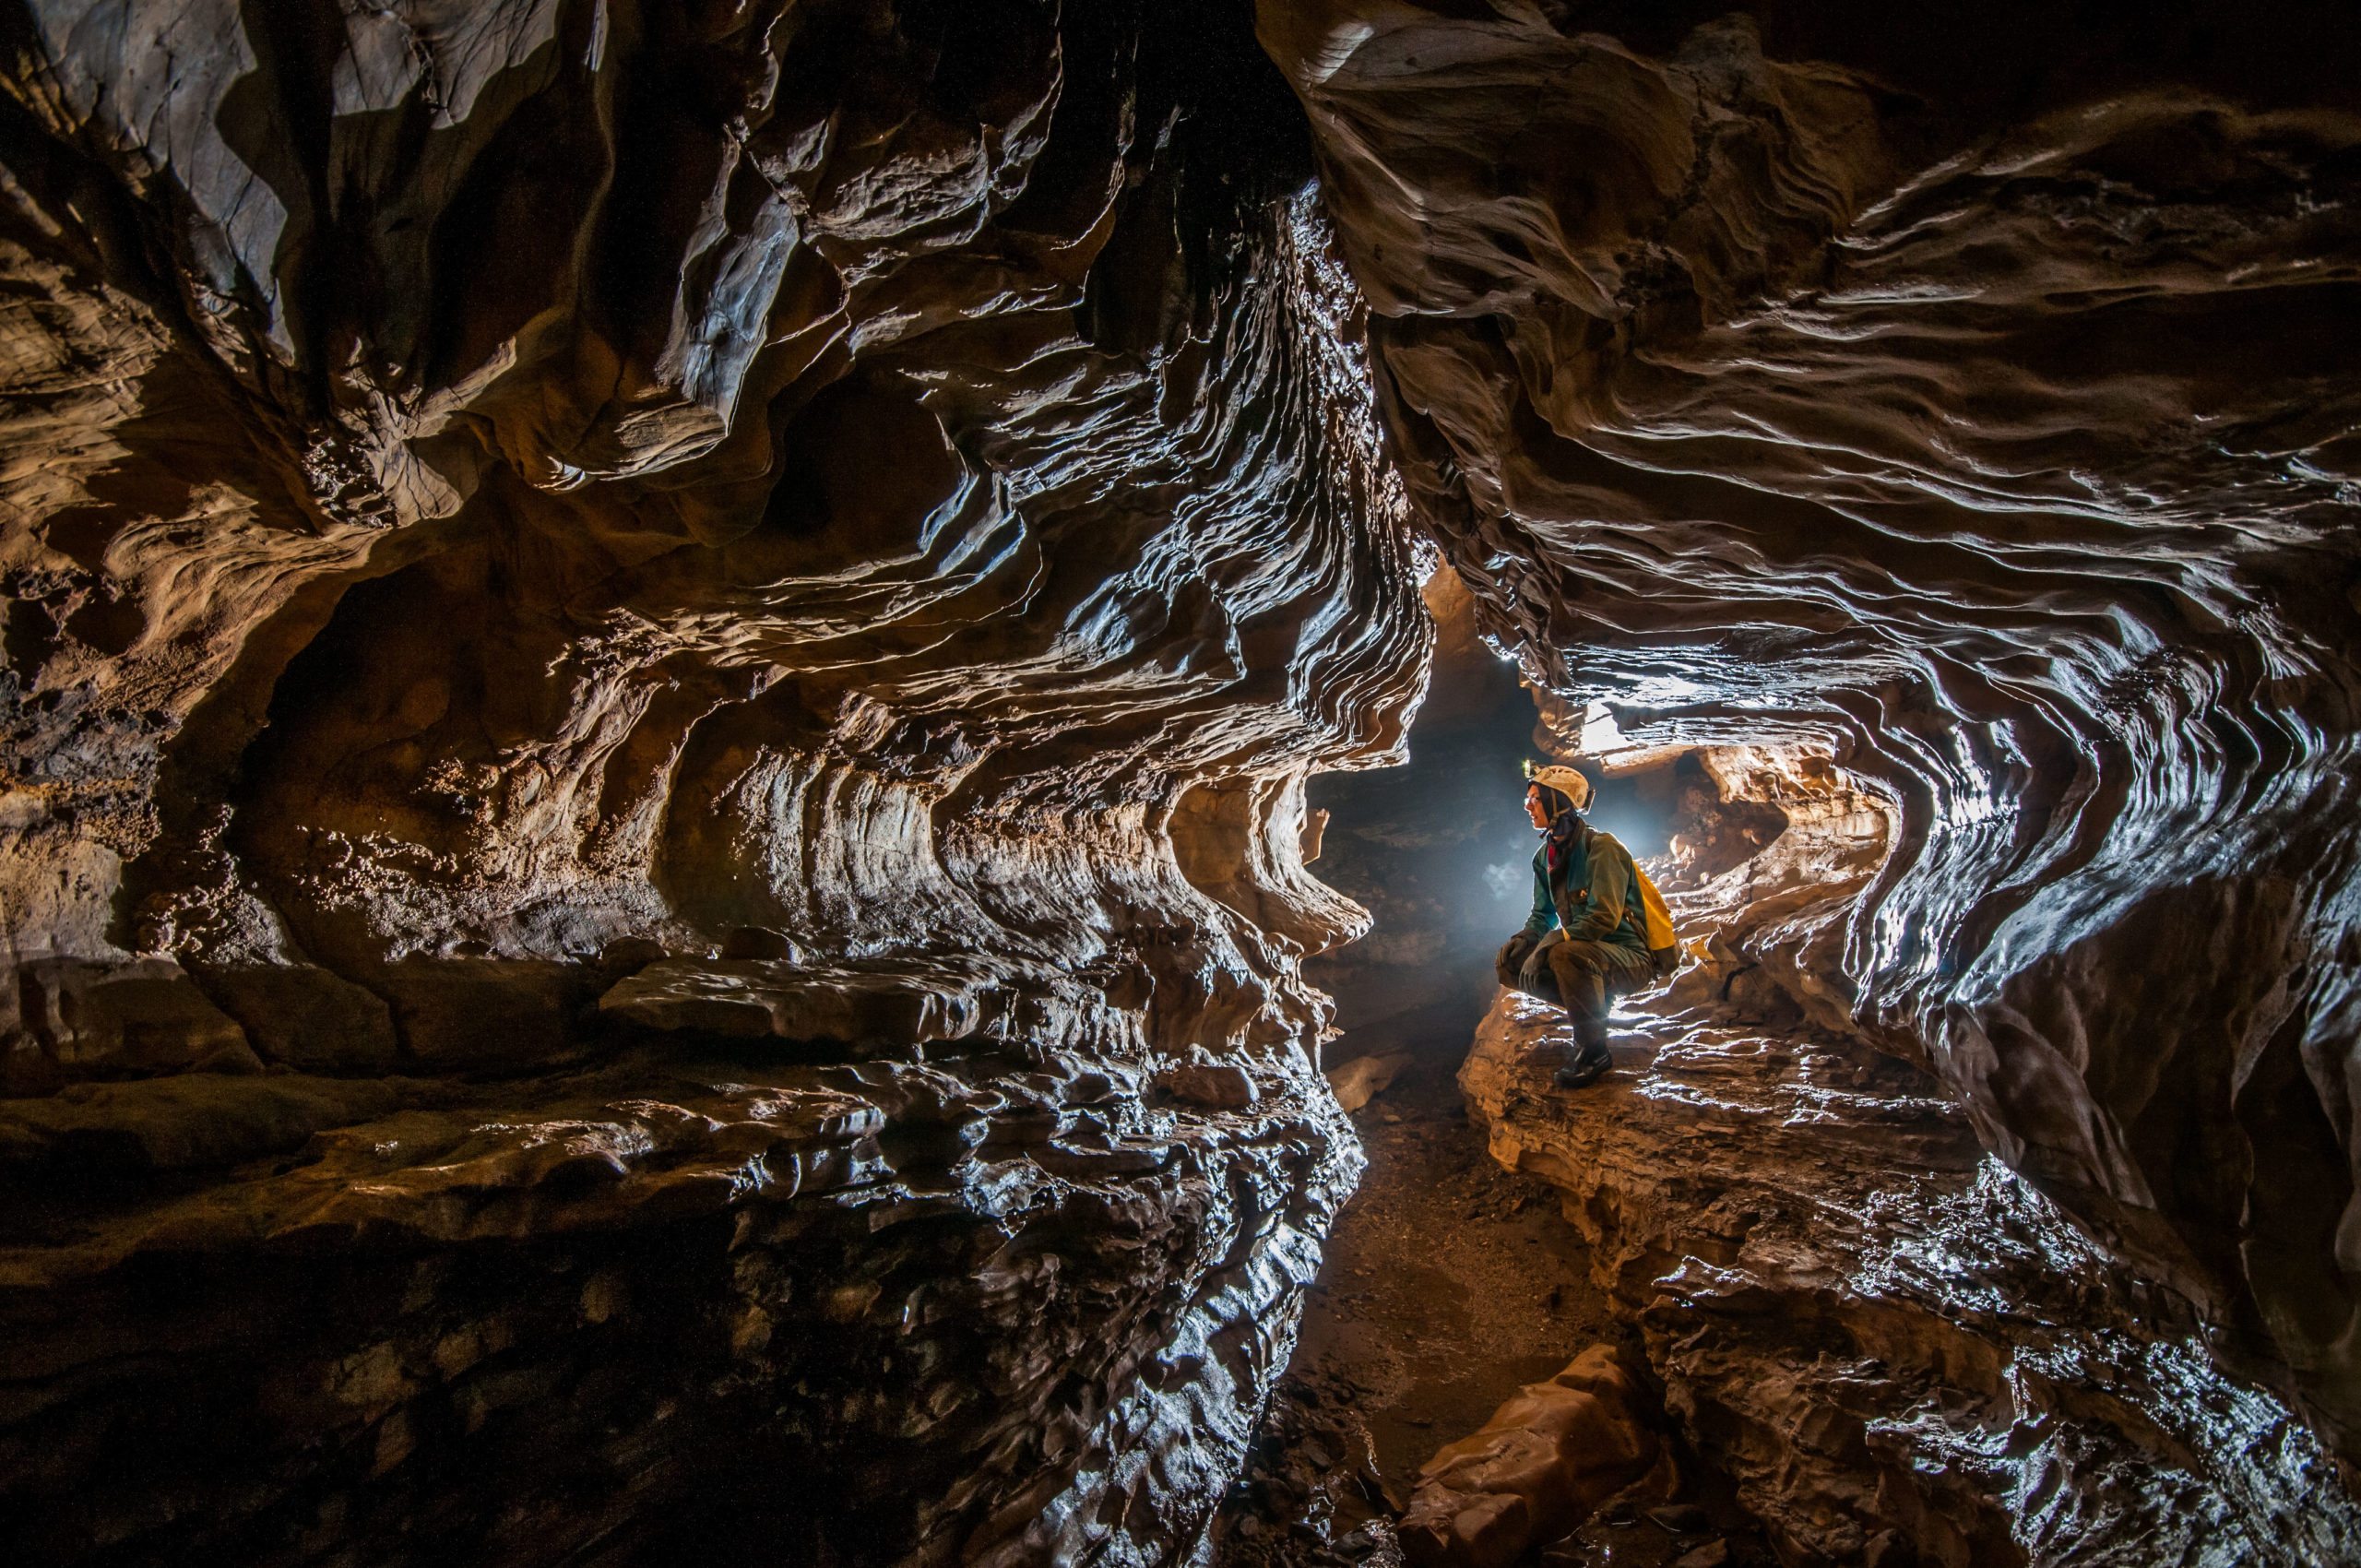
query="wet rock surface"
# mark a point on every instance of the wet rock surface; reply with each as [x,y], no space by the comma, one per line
[1896,1348]
[1871,1342]
[660,666]
[870,1311]
[1955,391]
[658,671]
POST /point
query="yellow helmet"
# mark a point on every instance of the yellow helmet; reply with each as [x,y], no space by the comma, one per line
[1563,780]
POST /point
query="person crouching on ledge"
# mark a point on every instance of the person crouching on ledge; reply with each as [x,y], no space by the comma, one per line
[1587,939]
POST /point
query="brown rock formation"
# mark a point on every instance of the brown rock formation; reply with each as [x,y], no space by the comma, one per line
[1968,391]
[660,663]
[1897,1348]
[1547,1457]
[656,660]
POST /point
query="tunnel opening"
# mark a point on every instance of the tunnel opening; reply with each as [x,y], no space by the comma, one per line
[1466,1273]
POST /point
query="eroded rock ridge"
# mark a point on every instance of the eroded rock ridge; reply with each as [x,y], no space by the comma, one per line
[659,665]
[1965,395]
[1896,1348]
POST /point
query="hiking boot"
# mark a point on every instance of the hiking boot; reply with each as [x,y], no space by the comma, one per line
[1584,1069]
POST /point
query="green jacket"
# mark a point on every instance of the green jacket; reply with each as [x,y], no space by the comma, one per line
[1596,894]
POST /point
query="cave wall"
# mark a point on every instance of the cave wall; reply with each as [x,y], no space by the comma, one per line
[659,663]
[583,449]
[1966,392]
[681,645]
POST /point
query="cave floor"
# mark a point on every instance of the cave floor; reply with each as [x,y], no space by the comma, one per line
[1447,1284]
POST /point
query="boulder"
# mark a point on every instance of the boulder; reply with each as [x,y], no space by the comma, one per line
[470,1015]
[306,1016]
[766,999]
[1217,1086]
[193,1121]
[757,942]
[1550,1455]
[79,1019]
[1362,1079]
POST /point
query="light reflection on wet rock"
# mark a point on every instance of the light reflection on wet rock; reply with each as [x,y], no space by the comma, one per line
[1965,395]
[659,661]
[1892,1342]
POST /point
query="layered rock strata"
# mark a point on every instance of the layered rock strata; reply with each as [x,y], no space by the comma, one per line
[873,1312]
[1965,393]
[570,565]
[659,663]
[1897,1348]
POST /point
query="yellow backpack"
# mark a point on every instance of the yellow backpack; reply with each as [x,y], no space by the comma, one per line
[1664,946]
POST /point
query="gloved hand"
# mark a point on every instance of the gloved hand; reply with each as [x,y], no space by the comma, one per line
[1537,963]
[1511,960]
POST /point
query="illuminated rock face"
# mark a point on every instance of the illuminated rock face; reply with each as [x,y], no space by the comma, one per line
[1896,1348]
[1970,394]
[659,663]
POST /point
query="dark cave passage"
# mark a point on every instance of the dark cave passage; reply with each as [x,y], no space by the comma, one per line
[1436,850]
[1448,1282]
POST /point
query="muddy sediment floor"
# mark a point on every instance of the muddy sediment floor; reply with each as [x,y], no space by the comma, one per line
[1450,1282]
[1447,1284]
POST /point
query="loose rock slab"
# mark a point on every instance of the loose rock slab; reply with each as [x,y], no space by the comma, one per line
[1547,1457]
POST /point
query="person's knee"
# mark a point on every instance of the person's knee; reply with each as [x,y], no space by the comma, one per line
[1578,979]
[1572,959]
[1596,973]
[1522,971]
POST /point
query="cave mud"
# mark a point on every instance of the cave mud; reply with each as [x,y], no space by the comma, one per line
[662,672]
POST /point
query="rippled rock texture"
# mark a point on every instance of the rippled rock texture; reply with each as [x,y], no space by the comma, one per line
[659,663]
[1896,1347]
[1967,392]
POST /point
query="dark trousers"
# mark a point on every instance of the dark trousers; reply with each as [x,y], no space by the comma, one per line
[1584,977]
